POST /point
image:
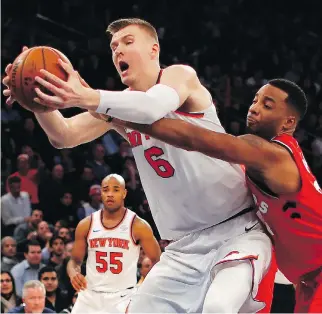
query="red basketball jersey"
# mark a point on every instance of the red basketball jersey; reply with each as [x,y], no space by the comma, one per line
[294,220]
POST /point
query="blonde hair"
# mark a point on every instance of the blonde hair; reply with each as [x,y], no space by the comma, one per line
[33,284]
[119,24]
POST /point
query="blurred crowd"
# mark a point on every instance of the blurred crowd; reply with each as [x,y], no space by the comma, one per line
[235,46]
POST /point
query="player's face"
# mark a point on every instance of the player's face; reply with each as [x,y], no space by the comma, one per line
[268,113]
[132,49]
[113,194]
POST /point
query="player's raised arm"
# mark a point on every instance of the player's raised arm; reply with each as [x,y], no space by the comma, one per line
[79,250]
[143,234]
[176,85]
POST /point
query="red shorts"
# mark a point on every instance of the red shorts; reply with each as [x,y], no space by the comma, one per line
[309,293]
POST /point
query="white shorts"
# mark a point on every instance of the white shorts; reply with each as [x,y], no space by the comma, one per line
[179,282]
[89,301]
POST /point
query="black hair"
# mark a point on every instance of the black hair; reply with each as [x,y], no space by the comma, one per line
[46,269]
[14,179]
[31,243]
[296,96]
[51,241]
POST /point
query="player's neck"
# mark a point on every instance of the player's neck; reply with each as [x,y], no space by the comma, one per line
[117,215]
[147,79]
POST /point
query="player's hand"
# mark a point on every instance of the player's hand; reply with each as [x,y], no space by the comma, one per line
[6,81]
[79,282]
[73,93]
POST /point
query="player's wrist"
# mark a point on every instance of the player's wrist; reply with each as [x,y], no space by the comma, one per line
[90,99]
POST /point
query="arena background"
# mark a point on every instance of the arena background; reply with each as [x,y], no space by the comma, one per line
[235,46]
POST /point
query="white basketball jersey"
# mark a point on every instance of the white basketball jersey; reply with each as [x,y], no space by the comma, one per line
[112,255]
[188,191]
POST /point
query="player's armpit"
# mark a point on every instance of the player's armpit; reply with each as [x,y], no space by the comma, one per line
[142,233]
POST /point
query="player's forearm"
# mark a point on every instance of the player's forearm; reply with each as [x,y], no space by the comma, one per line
[54,125]
[187,136]
[140,107]
[73,267]
[70,132]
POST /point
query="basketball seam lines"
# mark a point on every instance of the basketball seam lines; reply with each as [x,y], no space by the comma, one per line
[21,80]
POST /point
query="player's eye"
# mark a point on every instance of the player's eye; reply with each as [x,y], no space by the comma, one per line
[267,106]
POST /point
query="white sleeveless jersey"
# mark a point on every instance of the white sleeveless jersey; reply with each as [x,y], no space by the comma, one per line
[112,255]
[188,191]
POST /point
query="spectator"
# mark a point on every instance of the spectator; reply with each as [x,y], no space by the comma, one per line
[100,168]
[50,191]
[57,249]
[28,269]
[68,249]
[70,307]
[15,206]
[145,268]
[55,300]
[163,244]
[35,160]
[93,205]
[33,296]
[65,234]
[22,231]
[9,297]
[60,224]
[83,185]
[29,178]
[8,253]
[66,210]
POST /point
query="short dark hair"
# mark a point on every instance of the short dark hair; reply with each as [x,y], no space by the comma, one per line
[46,269]
[31,243]
[14,179]
[54,238]
[296,96]
[119,24]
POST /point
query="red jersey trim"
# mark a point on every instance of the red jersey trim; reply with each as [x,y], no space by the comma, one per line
[267,194]
[136,243]
[112,228]
[190,114]
[90,227]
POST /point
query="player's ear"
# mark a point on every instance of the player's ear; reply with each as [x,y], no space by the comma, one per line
[124,193]
[290,123]
[155,51]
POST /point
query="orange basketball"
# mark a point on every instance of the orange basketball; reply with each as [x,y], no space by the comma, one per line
[24,70]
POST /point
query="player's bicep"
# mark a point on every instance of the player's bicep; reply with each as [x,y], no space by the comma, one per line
[80,243]
[143,233]
[183,79]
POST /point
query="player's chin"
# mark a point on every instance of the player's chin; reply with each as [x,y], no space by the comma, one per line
[251,129]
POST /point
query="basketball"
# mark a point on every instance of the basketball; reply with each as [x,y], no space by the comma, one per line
[24,70]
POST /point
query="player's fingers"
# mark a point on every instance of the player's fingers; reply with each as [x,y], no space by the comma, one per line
[79,282]
[83,281]
[8,68]
[24,48]
[10,101]
[54,89]
[75,285]
[67,67]
[6,81]
[53,79]
[7,92]
[48,101]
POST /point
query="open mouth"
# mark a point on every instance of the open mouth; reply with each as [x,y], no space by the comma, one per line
[123,66]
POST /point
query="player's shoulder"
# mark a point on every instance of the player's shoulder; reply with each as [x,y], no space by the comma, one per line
[180,69]
[84,225]
[140,225]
